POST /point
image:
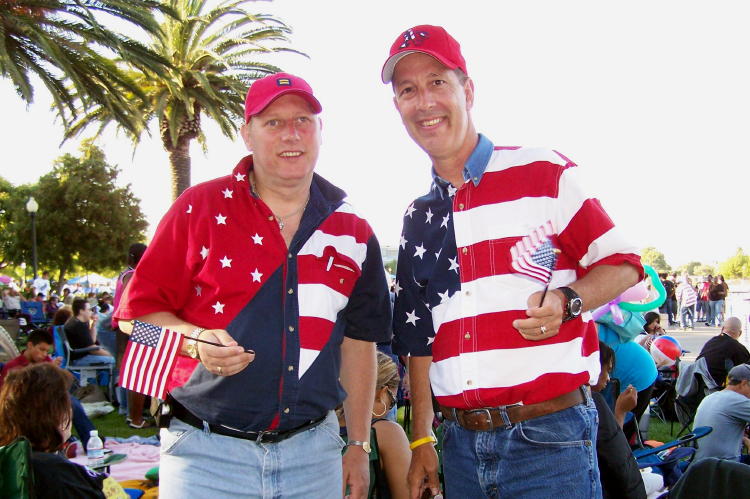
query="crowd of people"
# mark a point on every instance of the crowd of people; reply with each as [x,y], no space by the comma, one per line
[688,303]
[288,378]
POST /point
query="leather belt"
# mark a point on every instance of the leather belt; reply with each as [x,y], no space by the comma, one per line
[180,412]
[489,418]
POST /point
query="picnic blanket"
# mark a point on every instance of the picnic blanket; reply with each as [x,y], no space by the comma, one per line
[141,458]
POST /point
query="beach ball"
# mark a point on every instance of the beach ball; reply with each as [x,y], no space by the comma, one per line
[665,351]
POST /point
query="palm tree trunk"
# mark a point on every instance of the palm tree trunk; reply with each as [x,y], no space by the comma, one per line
[179,165]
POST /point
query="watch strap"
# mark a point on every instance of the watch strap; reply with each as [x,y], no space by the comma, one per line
[570,295]
[359,443]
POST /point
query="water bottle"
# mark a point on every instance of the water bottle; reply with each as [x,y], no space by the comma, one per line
[95,449]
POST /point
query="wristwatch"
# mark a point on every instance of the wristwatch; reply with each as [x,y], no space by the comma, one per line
[365,445]
[191,347]
[573,304]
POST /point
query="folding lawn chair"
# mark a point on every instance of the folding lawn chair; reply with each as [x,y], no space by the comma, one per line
[82,373]
[16,473]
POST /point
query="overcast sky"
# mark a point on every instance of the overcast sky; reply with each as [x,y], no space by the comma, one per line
[649,98]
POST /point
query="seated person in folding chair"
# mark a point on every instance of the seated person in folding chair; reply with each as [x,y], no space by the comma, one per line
[724,351]
[34,404]
[37,351]
[80,330]
[727,412]
[618,469]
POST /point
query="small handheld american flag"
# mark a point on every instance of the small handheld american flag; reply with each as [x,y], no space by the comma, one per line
[149,359]
[535,256]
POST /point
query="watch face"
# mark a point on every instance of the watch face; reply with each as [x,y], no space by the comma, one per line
[366,447]
[575,307]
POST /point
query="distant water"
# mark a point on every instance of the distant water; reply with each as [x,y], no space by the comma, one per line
[738,305]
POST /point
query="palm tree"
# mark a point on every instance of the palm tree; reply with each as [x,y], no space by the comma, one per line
[212,56]
[64,45]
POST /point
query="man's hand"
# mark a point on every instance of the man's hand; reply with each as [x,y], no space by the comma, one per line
[356,468]
[222,361]
[57,361]
[423,472]
[543,322]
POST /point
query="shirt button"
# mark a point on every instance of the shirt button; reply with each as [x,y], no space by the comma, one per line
[475,179]
[467,293]
[469,382]
[461,206]
[341,281]
[464,250]
[286,411]
[270,219]
[291,291]
[467,335]
[289,255]
[290,368]
[291,329]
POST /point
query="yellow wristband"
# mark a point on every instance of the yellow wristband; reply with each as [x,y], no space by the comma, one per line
[431,439]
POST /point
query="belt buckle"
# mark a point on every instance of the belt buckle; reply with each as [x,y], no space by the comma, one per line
[488,417]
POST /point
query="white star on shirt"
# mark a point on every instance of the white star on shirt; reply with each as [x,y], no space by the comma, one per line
[257,239]
[437,255]
[430,339]
[420,251]
[240,177]
[256,275]
[445,221]
[227,193]
[221,219]
[190,209]
[412,317]
[396,287]
[226,262]
[444,296]
[410,210]
[454,264]
[218,307]
[429,216]
[204,252]
[451,190]
[198,290]
[403,242]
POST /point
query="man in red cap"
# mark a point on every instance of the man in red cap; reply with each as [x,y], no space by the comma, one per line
[271,263]
[510,372]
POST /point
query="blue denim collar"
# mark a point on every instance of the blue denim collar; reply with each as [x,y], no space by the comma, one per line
[475,165]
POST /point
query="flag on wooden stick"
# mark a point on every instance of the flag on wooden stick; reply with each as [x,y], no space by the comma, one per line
[149,359]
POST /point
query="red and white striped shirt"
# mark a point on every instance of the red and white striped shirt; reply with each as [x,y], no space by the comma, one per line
[457,294]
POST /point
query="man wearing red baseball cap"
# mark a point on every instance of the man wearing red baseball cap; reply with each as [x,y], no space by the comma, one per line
[272,264]
[508,363]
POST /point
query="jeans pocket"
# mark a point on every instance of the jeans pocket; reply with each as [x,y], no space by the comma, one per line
[178,432]
[567,428]
[327,428]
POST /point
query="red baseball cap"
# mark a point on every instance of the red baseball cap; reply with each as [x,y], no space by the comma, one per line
[269,88]
[430,40]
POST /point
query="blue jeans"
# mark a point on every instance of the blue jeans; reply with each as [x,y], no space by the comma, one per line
[90,360]
[716,313]
[198,463]
[687,313]
[81,422]
[549,456]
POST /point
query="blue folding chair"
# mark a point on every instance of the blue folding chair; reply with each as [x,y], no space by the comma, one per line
[35,310]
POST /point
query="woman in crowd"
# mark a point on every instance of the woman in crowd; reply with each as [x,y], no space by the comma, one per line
[387,437]
[34,403]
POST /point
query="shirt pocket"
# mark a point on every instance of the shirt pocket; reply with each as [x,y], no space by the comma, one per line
[338,271]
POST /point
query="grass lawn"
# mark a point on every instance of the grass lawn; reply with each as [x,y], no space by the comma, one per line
[114,425]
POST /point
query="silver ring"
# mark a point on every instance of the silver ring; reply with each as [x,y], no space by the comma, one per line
[543,329]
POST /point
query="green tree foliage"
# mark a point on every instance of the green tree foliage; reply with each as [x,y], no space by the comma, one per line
[651,256]
[63,44]
[737,266]
[213,56]
[84,218]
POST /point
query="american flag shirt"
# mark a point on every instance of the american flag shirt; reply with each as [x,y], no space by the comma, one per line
[218,260]
[457,294]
